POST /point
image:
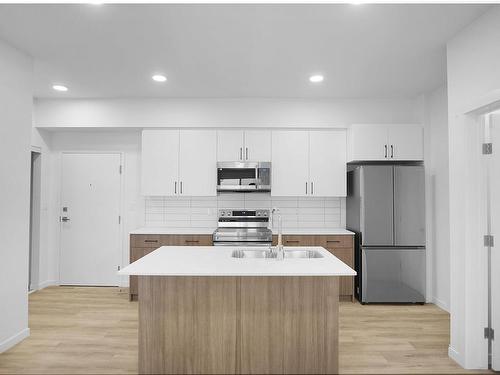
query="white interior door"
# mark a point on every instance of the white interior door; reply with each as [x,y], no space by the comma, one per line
[257,145]
[230,145]
[494,172]
[327,163]
[90,200]
[290,163]
[198,163]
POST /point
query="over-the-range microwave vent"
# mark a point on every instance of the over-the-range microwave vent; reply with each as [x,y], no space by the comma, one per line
[244,176]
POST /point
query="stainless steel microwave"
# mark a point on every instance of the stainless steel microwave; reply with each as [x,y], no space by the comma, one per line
[243,176]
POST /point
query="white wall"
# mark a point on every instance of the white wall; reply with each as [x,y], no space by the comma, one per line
[221,112]
[436,166]
[15,132]
[473,72]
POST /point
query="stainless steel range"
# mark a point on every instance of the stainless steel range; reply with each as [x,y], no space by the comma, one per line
[243,228]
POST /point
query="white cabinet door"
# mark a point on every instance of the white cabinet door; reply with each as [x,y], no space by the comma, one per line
[406,142]
[290,163]
[368,142]
[257,145]
[327,163]
[230,145]
[160,162]
[197,163]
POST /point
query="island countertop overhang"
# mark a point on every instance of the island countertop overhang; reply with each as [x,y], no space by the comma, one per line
[217,261]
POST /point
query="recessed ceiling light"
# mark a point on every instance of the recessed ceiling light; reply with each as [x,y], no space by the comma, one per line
[316,78]
[59,88]
[159,78]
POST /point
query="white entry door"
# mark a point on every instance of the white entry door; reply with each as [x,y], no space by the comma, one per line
[90,222]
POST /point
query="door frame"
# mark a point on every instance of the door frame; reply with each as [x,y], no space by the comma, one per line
[34,251]
[468,225]
[121,200]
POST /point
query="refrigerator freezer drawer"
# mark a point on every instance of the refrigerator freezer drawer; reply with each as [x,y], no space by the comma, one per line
[393,275]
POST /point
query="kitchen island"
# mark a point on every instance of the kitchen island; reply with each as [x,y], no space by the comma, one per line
[203,310]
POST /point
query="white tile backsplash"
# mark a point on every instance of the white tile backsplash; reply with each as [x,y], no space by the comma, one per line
[201,212]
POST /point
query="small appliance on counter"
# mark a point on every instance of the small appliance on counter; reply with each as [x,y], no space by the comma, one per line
[244,176]
[243,228]
[386,210]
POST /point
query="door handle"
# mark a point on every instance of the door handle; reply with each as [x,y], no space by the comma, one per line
[392,151]
[312,188]
[65,219]
[175,187]
[241,153]
[385,155]
[181,187]
[246,151]
[306,188]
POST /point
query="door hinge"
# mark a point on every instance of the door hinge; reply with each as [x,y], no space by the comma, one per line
[119,219]
[489,240]
[489,333]
[487,148]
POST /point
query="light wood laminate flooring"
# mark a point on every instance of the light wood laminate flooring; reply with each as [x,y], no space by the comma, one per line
[77,330]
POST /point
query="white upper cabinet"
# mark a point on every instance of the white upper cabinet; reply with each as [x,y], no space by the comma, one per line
[178,163]
[197,163]
[405,142]
[230,145]
[290,163]
[385,142]
[327,163]
[309,163]
[160,162]
[257,145]
[243,145]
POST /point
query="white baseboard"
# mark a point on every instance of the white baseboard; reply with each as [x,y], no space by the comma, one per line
[47,283]
[441,304]
[455,355]
[13,340]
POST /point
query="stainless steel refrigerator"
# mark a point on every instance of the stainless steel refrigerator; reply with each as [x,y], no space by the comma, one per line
[386,210]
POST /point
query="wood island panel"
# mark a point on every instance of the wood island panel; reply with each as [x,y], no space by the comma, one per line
[243,325]
[187,325]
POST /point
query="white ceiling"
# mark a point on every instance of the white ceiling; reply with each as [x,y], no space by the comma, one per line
[236,50]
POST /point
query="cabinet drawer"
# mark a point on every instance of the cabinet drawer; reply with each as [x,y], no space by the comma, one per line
[334,241]
[190,240]
[145,240]
[296,240]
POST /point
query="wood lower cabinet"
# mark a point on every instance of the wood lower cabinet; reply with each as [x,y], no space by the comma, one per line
[342,246]
[143,244]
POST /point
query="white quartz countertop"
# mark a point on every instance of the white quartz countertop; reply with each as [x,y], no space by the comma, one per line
[217,261]
[301,231]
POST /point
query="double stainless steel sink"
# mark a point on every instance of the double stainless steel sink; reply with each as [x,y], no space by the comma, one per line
[266,254]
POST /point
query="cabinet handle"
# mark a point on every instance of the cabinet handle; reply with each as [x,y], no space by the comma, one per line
[175,187]
[385,155]
[306,188]
[312,188]
[241,153]
[292,241]
[246,151]
[392,151]
[153,241]
[192,241]
[332,241]
[181,187]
